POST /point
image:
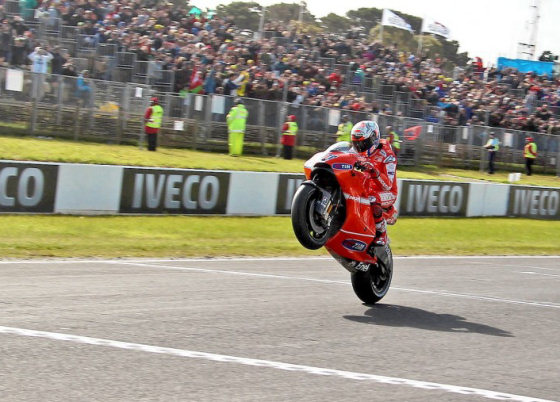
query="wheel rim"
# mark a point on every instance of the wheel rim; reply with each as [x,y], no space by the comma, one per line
[316,228]
[380,278]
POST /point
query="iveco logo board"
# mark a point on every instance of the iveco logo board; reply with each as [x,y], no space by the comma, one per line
[424,198]
[533,202]
[174,191]
[27,187]
[287,187]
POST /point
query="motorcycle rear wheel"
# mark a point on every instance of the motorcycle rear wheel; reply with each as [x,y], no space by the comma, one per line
[372,285]
[308,226]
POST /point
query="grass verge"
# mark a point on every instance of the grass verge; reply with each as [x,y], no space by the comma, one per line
[181,236]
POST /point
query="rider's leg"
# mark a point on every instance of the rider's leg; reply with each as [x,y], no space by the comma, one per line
[380,226]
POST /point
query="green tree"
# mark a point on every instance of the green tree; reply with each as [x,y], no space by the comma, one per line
[366,17]
[242,13]
[391,35]
[336,23]
[287,12]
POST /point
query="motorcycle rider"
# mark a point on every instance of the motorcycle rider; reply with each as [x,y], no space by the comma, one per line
[379,166]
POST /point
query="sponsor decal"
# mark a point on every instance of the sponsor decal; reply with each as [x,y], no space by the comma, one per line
[386,196]
[389,159]
[329,157]
[534,202]
[365,201]
[27,187]
[424,198]
[174,191]
[287,187]
[342,166]
[354,245]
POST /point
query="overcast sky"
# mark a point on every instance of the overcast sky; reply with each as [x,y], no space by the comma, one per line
[484,28]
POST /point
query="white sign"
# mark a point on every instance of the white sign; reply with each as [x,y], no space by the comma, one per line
[514,177]
[430,128]
[198,103]
[465,133]
[138,92]
[393,20]
[14,80]
[452,148]
[218,104]
[508,139]
[178,125]
[334,117]
[432,26]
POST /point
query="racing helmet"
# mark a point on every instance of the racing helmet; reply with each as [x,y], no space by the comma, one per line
[365,136]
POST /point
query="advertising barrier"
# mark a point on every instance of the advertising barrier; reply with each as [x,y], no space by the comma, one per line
[287,186]
[98,189]
[428,198]
[157,191]
[534,202]
[27,187]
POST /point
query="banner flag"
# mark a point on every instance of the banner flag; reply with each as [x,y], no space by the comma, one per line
[430,25]
[393,20]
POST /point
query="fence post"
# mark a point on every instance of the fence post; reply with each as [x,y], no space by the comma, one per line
[77,117]
[439,141]
[142,139]
[282,109]
[261,111]
[35,95]
[483,153]
[207,117]
[59,101]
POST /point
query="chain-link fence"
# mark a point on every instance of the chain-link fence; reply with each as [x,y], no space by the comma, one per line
[112,112]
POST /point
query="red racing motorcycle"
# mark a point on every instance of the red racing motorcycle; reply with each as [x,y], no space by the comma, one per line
[331,209]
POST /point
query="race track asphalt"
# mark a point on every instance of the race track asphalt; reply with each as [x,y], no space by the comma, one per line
[450,329]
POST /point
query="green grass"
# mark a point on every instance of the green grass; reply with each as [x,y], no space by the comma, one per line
[50,150]
[24,236]
[182,236]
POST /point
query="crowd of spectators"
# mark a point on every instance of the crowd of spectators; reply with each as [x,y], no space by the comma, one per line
[211,55]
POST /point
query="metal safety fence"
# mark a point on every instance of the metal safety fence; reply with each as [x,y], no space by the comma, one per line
[89,109]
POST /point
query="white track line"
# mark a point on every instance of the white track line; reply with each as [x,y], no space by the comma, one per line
[270,364]
[236,259]
[540,273]
[259,275]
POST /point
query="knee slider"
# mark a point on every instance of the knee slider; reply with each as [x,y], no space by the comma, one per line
[377,211]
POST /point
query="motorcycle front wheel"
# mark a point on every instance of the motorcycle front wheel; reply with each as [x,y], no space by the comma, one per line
[309,227]
[372,285]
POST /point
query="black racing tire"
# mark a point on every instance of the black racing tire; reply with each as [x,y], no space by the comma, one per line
[309,230]
[372,285]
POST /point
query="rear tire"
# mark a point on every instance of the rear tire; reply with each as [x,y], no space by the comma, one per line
[309,229]
[372,285]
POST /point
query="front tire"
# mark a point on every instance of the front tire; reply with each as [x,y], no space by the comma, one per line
[372,285]
[309,227]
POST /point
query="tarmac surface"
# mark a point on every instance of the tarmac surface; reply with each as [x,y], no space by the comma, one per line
[450,329]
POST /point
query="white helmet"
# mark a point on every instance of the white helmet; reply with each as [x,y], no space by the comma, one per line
[365,136]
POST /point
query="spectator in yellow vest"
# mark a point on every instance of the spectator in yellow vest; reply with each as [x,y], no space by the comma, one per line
[394,139]
[152,122]
[236,121]
[241,81]
[289,133]
[530,154]
[344,129]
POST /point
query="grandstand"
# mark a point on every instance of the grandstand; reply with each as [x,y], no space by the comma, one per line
[160,49]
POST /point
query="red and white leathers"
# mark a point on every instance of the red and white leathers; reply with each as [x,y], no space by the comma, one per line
[380,185]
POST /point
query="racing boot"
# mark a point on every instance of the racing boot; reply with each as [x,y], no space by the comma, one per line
[380,227]
[380,234]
